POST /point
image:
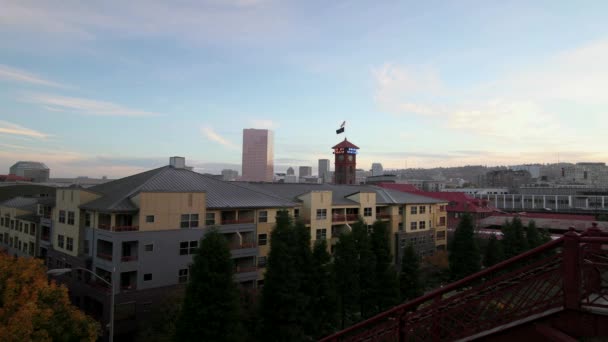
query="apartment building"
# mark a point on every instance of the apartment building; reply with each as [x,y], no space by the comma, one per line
[139,232]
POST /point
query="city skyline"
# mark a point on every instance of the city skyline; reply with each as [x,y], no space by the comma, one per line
[114,89]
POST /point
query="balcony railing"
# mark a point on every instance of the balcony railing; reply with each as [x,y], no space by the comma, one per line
[105,256]
[344,218]
[118,228]
[242,245]
[239,221]
[128,287]
[128,258]
[245,269]
[45,237]
[383,216]
[98,285]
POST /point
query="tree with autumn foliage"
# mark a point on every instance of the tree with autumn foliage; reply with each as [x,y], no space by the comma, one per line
[34,309]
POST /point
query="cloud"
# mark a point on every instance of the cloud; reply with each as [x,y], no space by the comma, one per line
[535,104]
[264,124]
[14,129]
[210,134]
[17,75]
[84,106]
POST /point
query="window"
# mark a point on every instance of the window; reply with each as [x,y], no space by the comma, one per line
[20,226]
[71,217]
[85,247]
[400,226]
[400,210]
[414,225]
[149,247]
[422,224]
[60,241]
[442,208]
[189,221]
[321,234]
[442,221]
[149,218]
[262,239]
[414,210]
[33,229]
[69,244]
[61,216]
[188,247]
[87,219]
[193,246]
[261,262]
[422,209]
[296,212]
[147,276]
[262,216]
[367,212]
[441,235]
[182,276]
[209,219]
[321,214]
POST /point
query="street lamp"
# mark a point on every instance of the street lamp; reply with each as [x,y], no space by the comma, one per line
[61,271]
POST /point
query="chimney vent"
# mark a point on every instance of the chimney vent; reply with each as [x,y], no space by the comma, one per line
[177,162]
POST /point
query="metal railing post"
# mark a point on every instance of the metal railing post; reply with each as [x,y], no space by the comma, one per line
[571,271]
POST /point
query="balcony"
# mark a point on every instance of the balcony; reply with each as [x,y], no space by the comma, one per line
[104,256]
[243,245]
[118,228]
[237,221]
[128,281]
[245,269]
[344,218]
[383,216]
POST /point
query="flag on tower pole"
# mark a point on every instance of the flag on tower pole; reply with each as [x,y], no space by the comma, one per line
[341,129]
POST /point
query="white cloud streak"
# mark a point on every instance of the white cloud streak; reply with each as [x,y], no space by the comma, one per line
[211,135]
[84,106]
[21,76]
[14,129]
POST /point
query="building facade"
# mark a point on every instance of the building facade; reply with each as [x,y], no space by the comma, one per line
[258,155]
[140,232]
[345,162]
[304,171]
[324,173]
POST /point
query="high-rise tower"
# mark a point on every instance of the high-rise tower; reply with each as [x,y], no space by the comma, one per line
[258,155]
[345,161]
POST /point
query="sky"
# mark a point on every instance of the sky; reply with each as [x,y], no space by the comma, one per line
[117,87]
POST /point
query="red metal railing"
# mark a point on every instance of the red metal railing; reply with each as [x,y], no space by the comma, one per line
[128,258]
[239,221]
[244,269]
[344,218]
[105,256]
[383,216]
[125,228]
[45,237]
[242,245]
[568,272]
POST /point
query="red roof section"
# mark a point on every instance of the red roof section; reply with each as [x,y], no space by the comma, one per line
[346,144]
[14,178]
[552,216]
[458,201]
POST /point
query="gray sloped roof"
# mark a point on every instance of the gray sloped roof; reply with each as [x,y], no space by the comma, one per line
[291,191]
[26,203]
[116,195]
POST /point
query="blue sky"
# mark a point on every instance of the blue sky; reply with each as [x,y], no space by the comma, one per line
[116,87]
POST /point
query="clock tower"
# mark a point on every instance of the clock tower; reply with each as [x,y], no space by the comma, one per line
[345,162]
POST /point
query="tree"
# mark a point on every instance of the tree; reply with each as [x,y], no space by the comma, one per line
[210,311]
[464,254]
[514,239]
[347,279]
[324,302]
[366,268]
[34,309]
[494,253]
[409,278]
[386,292]
[281,301]
[533,236]
[159,325]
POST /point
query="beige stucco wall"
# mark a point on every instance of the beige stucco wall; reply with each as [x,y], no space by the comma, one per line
[70,200]
[167,208]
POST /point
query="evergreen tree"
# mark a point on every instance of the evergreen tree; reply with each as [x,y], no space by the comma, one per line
[533,235]
[347,279]
[281,296]
[324,302]
[386,285]
[366,268]
[210,311]
[545,236]
[302,260]
[494,253]
[409,278]
[464,254]
[513,240]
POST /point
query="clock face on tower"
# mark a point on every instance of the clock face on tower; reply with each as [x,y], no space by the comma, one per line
[341,157]
[350,158]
